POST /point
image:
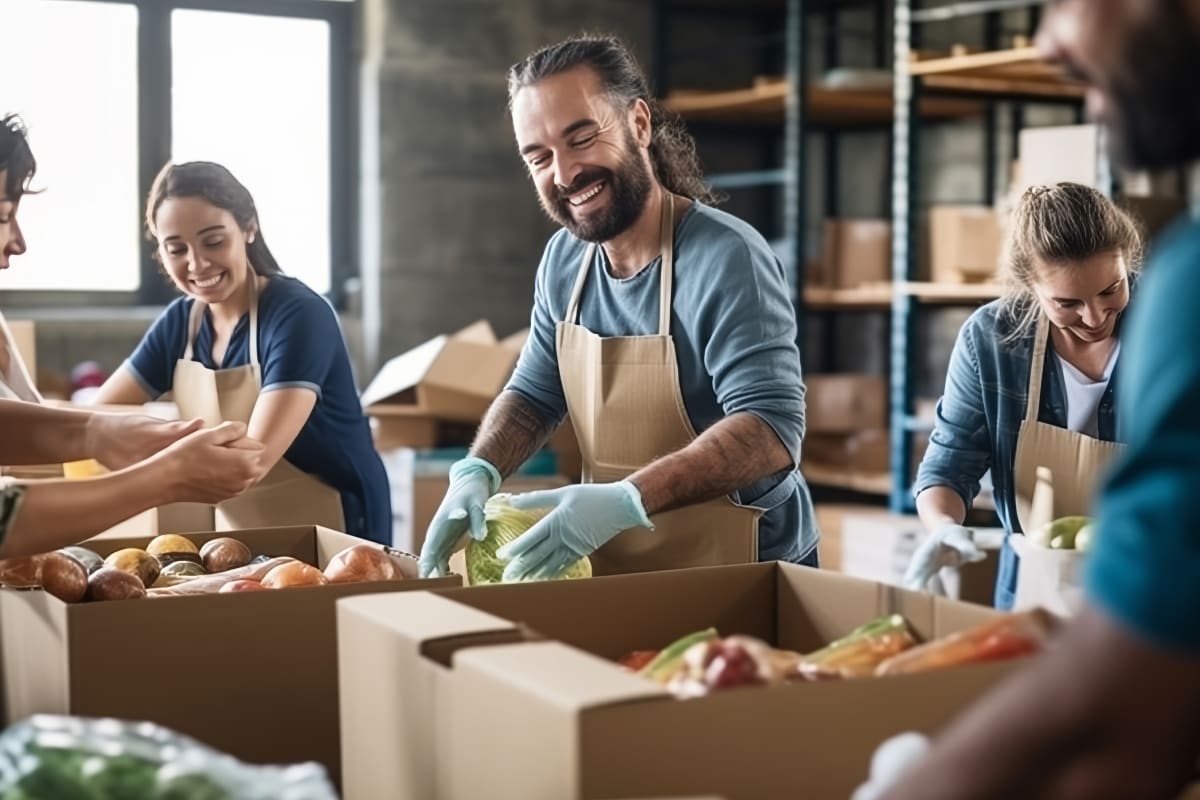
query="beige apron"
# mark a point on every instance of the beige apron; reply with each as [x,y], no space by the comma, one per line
[286,496]
[15,381]
[1073,462]
[624,399]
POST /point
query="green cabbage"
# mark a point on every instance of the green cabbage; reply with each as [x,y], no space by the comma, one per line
[504,524]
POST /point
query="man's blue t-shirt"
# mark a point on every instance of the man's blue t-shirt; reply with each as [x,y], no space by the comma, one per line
[734,328]
[300,345]
[1145,567]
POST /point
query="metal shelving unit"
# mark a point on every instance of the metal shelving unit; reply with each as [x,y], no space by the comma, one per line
[1013,75]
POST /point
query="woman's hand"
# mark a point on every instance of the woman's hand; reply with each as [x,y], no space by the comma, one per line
[119,440]
[210,465]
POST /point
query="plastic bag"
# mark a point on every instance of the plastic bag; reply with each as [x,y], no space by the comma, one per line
[50,757]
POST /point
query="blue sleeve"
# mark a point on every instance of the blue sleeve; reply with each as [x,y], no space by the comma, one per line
[536,376]
[299,341]
[152,363]
[1145,568]
[748,325]
[960,449]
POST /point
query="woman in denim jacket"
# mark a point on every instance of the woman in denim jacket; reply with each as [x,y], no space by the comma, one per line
[1071,259]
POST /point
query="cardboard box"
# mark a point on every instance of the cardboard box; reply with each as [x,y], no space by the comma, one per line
[964,243]
[845,403]
[252,674]
[865,451]
[855,252]
[453,377]
[1053,154]
[521,677]
[878,545]
[24,338]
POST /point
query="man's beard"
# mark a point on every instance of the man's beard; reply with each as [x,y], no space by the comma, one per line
[628,188]
[1155,100]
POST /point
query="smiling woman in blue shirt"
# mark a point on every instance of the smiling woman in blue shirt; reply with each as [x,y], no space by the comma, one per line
[1032,377]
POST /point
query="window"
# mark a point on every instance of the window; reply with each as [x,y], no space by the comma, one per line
[261,86]
[83,230]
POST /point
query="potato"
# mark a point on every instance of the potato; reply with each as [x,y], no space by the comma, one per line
[291,574]
[138,563]
[362,562]
[224,553]
[64,577]
[110,583]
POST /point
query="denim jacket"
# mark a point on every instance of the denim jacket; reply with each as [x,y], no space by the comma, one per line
[983,406]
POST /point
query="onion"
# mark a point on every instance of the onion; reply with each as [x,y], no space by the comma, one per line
[294,573]
[64,577]
[224,553]
[110,583]
[360,563]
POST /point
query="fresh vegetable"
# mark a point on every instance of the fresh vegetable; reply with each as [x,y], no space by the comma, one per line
[1083,539]
[224,553]
[1008,636]
[292,574]
[170,547]
[110,583]
[638,659]
[670,658]
[56,572]
[90,559]
[136,562]
[1059,534]
[731,662]
[861,651]
[504,524]
[183,569]
[362,562]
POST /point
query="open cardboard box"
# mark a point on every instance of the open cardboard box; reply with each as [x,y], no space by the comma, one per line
[453,377]
[252,674]
[511,691]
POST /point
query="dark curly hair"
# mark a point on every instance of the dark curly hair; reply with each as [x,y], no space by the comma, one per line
[672,148]
[16,159]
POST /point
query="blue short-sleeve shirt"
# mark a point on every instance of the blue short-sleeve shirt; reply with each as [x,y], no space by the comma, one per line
[300,345]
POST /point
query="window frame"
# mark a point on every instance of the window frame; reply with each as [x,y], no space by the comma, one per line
[154,143]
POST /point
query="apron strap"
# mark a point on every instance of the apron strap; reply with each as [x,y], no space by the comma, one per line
[667,274]
[197,315]
[1037,363]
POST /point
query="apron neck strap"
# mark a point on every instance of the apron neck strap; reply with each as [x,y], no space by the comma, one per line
[1037,364]
[666,274]
[197,316]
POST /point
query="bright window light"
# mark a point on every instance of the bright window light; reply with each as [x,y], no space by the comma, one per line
[252,93]
[72,75]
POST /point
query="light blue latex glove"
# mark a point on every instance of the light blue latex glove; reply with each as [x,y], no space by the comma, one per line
[950,545]
[891,760]
[472,482]
[583,517]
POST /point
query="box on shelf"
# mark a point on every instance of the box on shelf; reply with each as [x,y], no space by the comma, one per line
[452,377]
[1058,153]
[865,451]
[855,252]
[845,403]
[253,674]
[964,243]
[480,663]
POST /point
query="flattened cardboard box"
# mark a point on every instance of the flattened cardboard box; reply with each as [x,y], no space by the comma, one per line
[253,674]
[522,678]
[453,377]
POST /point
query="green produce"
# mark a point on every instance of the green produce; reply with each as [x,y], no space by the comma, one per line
[91,560]
[670,658]
[1083,539]
[1059,534]
[504,524]
[857,654]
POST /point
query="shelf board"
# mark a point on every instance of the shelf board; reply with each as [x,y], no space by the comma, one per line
[951,292]
[763,103]
[876,296]
[1017,71]
[846,478]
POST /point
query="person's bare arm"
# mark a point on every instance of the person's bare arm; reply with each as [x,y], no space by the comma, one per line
[939,505]
[511,432]
[1101,715]
[206,467]
[731,455]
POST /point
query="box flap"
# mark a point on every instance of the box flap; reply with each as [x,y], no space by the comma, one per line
[479,332]
[423,616]
[403,372]
[515,341]
[564,677]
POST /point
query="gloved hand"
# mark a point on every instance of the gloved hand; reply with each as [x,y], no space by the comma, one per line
[891,759]
[950,545]
[472,482]
[584,517]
